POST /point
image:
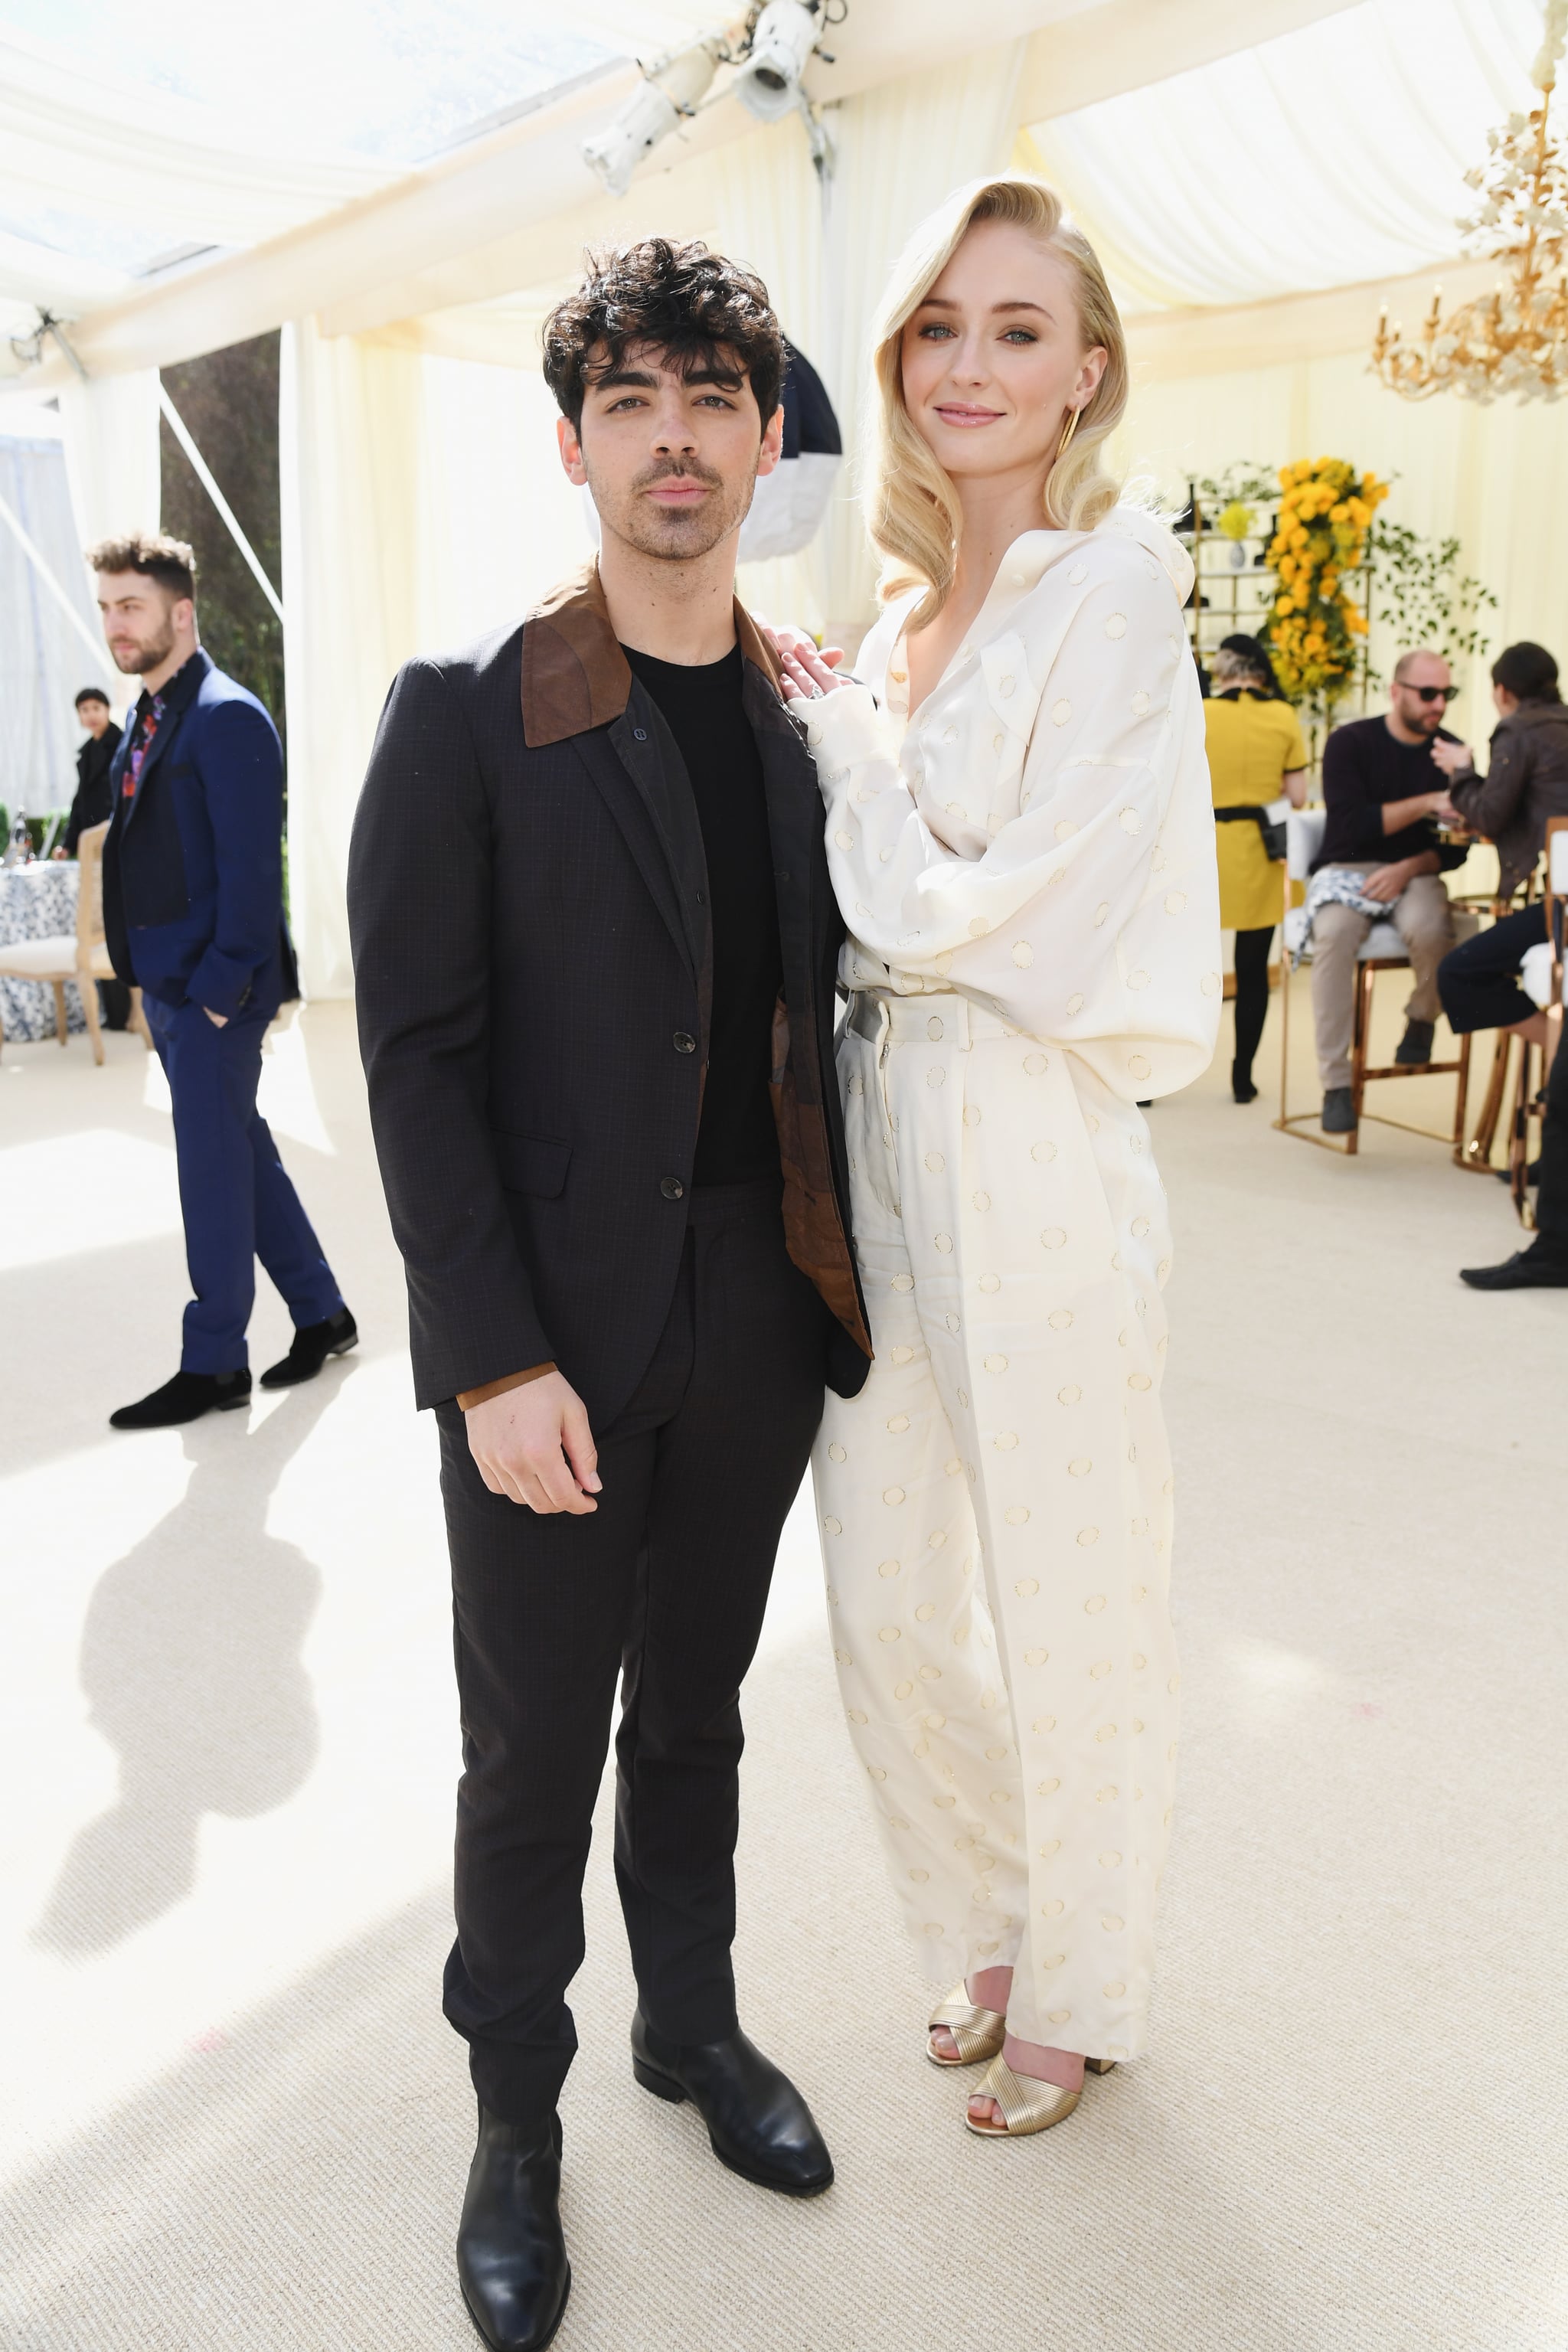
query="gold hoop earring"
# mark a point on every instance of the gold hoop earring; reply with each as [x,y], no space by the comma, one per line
[1067,431]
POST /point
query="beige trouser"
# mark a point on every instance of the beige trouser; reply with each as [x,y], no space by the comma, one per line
[1425,921]
[996,1508]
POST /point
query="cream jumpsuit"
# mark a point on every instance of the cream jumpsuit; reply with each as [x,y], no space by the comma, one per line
[1027,871]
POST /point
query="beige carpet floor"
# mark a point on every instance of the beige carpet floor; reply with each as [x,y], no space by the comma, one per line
[233,2115]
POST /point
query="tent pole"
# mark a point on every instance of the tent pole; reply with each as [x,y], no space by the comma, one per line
[203,472]
[94,644]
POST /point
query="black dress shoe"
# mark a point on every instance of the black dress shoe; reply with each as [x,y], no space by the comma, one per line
[1414,1050]
[758,2124]
[314,1343]
[512,2256]
[1339,1112]
[1527,1269]
[1241,1087]
[185,1398]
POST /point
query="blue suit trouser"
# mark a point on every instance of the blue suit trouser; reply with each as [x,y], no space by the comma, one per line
[237,1203]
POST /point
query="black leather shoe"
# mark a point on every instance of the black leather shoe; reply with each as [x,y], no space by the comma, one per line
[1241,1087]
[314,1343]
[1414,1050]
[1527,1269]
[512,2257]
[185,1398]
[1339,1112]
[758,2124]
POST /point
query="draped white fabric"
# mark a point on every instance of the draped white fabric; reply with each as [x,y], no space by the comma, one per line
[70,136]
[1333,154]
[43,661]
[424,504]
[110,427]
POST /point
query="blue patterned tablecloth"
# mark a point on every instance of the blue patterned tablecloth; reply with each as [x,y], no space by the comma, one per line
[38,902]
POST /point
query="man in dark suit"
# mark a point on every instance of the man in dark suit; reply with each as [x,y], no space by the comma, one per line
[93,802]
[193,915]
[595,945]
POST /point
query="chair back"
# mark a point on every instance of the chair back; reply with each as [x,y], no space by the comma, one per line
[89,894]
[1304,830]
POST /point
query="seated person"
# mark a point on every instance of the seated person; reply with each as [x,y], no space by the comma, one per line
[1383,798]
[94,805]
[1543,1266]
[1527,784]
[94,799]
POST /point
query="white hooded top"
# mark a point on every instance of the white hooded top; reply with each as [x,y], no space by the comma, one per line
[1040,835]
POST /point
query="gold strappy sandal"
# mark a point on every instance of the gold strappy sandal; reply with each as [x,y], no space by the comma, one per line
[1027,2104]
[977,2033]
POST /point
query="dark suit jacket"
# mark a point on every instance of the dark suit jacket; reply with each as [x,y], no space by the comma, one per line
[193,866]
[527,903]
[94,786]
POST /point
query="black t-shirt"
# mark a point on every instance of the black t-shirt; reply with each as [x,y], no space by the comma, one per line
[703,710]
[1365,766]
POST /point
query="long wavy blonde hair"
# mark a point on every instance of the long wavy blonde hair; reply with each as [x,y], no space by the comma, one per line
[912,506]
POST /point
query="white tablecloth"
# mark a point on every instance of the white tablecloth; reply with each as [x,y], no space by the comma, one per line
[38,902]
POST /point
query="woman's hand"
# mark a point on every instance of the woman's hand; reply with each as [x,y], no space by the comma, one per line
[807,674]
[1455,759]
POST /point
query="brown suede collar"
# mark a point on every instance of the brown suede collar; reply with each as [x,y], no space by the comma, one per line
[574,674]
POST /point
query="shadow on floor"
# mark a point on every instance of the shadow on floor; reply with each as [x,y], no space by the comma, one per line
[191,1660]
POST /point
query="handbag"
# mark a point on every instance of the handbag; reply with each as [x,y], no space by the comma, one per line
[1272,829]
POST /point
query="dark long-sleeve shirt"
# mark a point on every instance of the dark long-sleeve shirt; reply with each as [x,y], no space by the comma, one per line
[94,793]
[1365,766]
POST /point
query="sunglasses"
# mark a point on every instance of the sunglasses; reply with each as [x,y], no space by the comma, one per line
[1431,693]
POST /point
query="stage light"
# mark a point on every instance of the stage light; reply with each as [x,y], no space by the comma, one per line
[768,84]
[671,92]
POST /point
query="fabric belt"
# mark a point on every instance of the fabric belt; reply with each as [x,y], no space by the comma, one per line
[943,1017]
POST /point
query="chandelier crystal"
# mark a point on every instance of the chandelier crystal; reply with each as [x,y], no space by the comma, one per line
[1515,339]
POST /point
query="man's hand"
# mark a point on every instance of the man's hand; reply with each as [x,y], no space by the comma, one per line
[533,1444]
[1388,881]
[218,1020]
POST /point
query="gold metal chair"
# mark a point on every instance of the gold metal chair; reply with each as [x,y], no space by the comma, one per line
[82,957]
[1382,950]
[1541,975]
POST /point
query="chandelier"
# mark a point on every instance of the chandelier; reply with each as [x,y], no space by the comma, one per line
[1515,339]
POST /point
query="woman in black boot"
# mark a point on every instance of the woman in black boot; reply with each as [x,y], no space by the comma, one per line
[1255,757]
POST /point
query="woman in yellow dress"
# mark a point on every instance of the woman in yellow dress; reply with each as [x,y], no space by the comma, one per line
[1256,756]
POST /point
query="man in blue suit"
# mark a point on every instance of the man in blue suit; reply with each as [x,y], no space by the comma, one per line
[193,911]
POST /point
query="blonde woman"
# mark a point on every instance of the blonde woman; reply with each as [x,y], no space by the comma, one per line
[1022,840]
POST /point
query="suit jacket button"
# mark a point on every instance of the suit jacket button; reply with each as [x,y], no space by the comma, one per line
[684,1042]
[672,1187]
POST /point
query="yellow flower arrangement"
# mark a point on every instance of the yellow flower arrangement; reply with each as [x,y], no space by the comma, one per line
[1325,513]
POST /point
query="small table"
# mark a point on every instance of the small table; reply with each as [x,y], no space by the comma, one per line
[38,902]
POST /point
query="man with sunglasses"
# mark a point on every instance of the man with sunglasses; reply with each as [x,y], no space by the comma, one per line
[1385,797]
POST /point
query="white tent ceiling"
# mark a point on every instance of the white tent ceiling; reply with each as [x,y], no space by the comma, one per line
[424,152]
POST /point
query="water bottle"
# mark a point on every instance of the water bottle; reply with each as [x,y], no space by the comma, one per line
[20,850]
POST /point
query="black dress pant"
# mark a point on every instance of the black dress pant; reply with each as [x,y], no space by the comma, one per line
[1478,979]
[664,1585]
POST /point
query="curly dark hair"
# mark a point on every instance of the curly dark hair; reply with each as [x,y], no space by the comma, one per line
[698,308]
[154,554]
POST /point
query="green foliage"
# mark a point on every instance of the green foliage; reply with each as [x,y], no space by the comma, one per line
[1253,485]
[1423,597]
[229,401]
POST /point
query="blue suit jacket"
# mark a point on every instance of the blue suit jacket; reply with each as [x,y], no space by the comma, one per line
[193,865]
